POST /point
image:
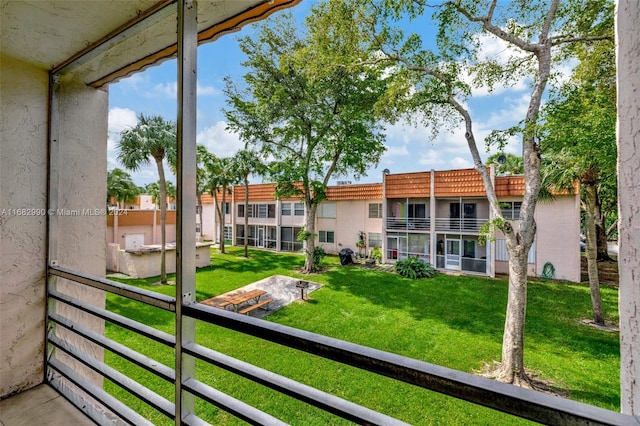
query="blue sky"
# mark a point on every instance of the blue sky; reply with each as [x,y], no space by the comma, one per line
[409,148]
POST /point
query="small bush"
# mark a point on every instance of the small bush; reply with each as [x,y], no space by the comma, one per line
[376,254]
[318,255]
[414,267]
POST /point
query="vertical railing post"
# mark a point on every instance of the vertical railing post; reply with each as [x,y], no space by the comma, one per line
[186,197]
[53,181]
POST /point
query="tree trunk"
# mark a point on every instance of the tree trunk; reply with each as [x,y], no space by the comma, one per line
[246,215]
[602,240]
[591,252]
[310,227]
[512,364]
[163,220]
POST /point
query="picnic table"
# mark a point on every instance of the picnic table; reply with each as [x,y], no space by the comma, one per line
[245,297]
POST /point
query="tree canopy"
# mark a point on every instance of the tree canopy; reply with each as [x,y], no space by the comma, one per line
[312,115]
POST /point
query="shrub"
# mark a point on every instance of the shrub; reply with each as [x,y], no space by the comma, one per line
[318,255]
[414,267]
[376,254]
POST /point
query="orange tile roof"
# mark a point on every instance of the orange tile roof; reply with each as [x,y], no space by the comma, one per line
[367,191]
[509,185]
[459,183]
[416,184]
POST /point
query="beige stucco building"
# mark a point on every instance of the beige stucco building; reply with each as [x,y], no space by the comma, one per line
[434,215]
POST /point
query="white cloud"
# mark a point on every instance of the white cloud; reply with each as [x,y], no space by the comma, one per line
[219,141]
[207,90]
[461,163]
[167,90]
[121,119]
[395,150]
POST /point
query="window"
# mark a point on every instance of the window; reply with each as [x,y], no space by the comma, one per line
[417,211]
[469,248]
[375,239]
[298,209]
[228,232]
[197,228]
[240,210]
[375,210]
[326,236]
[327,210]
[227,207]
[271,210]
[285,209]
[197,209]
[262,210]
[511,209]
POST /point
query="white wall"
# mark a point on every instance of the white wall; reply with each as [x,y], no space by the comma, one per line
[23,152]
[558,237]
[628,51]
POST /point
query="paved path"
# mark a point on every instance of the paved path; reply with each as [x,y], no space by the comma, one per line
[280,288]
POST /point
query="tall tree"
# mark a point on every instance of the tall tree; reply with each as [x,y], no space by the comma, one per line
[245,163]
[579,141]
[313,116]
[120,187]
[511,165]
[435,84]
[201,179]
[152,139]
[220,178]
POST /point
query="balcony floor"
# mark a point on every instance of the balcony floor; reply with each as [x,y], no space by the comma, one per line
[40,406]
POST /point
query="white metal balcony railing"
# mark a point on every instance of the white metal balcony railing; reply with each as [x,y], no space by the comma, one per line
[459,224]
[408,224]
[395,254]
[520,402]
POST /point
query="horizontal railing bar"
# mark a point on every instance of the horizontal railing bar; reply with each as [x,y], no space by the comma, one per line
[525,403]
[121,410]
[158,300]
[142,329]
[229,404]
[137,358]
[193,420]
[143,393]
[327,402]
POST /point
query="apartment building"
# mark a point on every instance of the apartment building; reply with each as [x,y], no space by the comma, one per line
[433,215]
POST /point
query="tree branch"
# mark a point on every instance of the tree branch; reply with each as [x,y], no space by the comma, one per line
[556,41]
[494,29]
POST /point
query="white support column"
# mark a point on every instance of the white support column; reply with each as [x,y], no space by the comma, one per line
[433,240]
[628,133]
[186,209]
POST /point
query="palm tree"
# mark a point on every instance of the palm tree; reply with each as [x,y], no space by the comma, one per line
[201,179]
[245,163]
[152,139]
[120,187]
[220,177]
[559,173]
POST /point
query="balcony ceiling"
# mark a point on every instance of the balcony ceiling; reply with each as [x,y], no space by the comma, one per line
[46,33]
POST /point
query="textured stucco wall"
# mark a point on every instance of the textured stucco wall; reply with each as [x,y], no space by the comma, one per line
[23,150]
[80,240]
[628,51]
[148,264]
[558,237]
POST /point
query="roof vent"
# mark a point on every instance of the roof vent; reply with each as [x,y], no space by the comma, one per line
[343,182]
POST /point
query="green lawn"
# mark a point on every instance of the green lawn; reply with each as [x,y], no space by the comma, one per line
[456,322]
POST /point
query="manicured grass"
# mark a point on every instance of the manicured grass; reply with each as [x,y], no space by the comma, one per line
[452,321]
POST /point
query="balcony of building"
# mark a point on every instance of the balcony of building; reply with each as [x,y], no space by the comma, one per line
[461,215]
[408,214]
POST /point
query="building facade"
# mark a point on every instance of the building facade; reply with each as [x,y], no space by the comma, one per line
[434,215]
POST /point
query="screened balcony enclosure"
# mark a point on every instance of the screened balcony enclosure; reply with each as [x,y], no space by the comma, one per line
[54,309]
